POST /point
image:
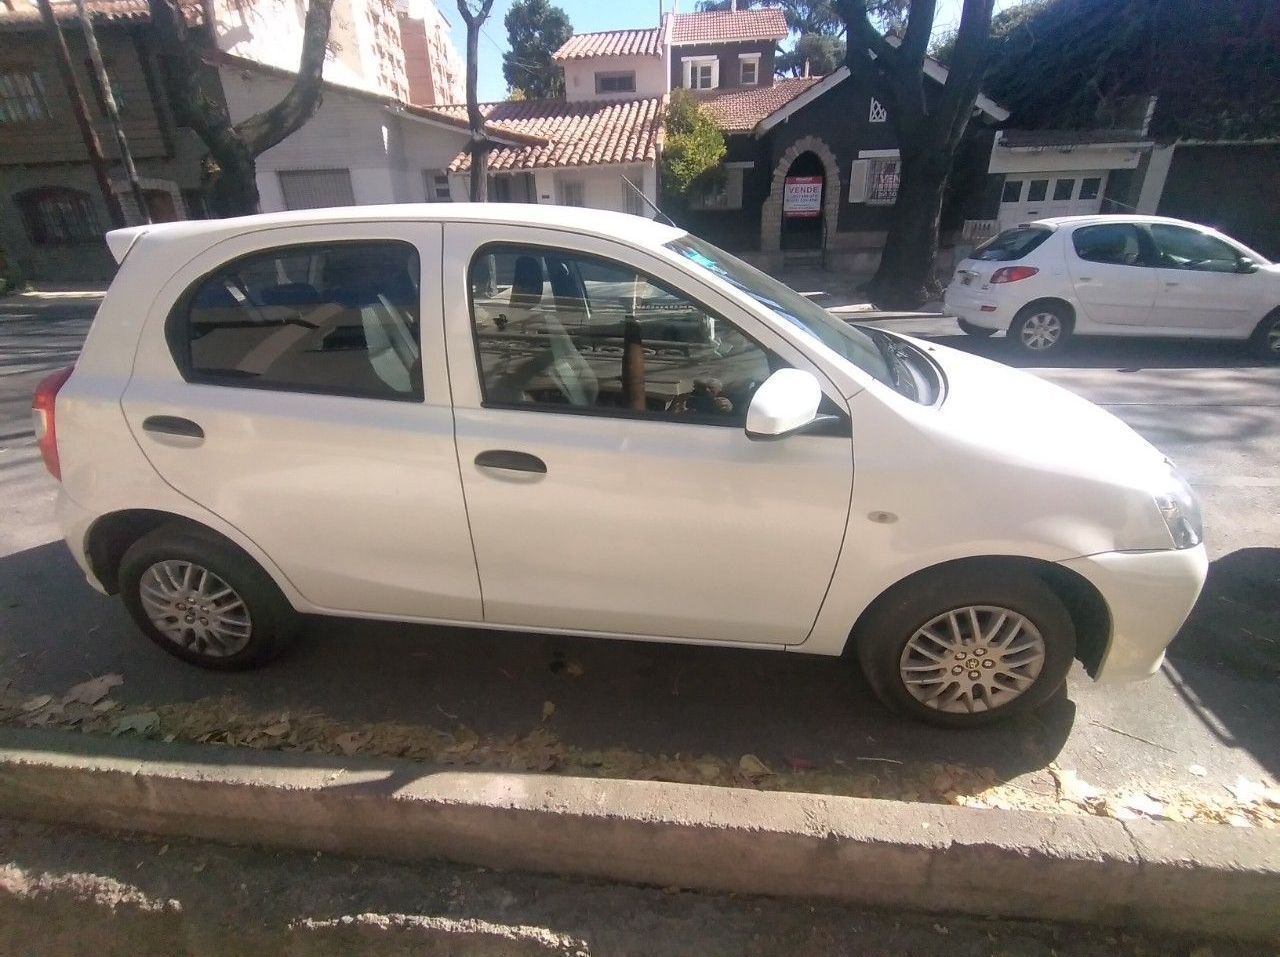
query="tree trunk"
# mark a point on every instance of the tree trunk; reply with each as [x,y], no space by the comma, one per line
[479,145]
[233,189]
[905,276]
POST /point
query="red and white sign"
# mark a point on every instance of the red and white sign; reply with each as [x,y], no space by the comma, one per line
[802,197]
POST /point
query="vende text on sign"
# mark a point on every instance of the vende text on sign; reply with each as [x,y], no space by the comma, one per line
[802,197]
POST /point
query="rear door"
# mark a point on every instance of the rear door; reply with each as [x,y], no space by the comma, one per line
[1111,273]
[1200,285]
[293,382]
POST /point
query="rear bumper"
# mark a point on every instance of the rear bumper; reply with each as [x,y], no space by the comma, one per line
[75,522]
[1150,595]
[971,304]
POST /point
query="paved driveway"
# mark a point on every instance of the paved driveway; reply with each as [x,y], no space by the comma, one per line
[1213,705]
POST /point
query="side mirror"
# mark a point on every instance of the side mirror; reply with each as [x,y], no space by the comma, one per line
[786,403]
[1246,265]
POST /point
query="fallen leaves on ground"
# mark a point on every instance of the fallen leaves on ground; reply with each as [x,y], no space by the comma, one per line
[229,722]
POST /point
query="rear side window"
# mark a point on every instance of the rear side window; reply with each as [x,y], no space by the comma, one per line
[338,318]
[1118,244]
[1012,244]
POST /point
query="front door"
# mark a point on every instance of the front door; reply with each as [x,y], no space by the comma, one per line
[301,395]
[600,396]
[1200,285]
[1111,273]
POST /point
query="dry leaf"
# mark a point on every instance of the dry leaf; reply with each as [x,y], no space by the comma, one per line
[752,766]
[1071,787]
[1246,791]
[548,709]
[93,690]
[36,703]
[140,723]
[574,669]
[277,730]
[1199,770]
[105,705]
[348,743]
[1145,804]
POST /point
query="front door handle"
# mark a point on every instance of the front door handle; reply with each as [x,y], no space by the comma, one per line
[512,461]
[172,425]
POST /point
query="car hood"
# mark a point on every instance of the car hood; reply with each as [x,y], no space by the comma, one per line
[1017,416]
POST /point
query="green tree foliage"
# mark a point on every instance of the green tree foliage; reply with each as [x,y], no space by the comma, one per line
[535,30]
[823,54]
[1213,64]
[694,147]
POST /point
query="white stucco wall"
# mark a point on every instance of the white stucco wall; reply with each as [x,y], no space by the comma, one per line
[580,84]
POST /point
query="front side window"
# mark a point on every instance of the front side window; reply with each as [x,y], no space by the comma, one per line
[58,216]
[337,318]
[22,98]
[562,331]
[1181,248]
[616,82]
[1117,244]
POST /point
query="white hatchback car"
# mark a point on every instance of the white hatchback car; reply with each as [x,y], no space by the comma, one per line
[1042,282]
[544,419]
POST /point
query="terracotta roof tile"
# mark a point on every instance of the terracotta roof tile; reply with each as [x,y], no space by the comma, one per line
[581,46]
[575,134]
[26,11]
[728,26]
[739,110]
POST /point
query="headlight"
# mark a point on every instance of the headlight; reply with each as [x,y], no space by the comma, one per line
[1181,512]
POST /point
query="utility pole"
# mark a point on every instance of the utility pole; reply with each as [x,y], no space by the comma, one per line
[113,112]
[63,58]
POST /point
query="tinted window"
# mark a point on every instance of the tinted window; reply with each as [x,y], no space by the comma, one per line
[1036,191]
[1089,187]
[340,318]
[564,330]
[1183,248]
[1063,188]
[1012,191]
[1011,244]
[1115,243]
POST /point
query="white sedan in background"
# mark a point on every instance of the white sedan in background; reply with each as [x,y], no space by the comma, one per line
[1045,281]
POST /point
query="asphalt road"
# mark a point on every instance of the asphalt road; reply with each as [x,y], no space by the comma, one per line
[1213,705]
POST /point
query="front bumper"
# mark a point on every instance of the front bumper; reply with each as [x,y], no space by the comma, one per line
[1150,595]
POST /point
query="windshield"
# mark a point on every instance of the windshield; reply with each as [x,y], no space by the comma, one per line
[1011,244]
[872,351]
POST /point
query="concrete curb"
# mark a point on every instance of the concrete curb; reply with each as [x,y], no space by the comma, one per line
[916,856]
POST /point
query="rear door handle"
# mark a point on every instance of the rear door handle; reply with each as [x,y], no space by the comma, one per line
[172,425]
[512,461]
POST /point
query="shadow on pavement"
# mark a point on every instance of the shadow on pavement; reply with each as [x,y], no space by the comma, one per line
[1232,639]
[651,698]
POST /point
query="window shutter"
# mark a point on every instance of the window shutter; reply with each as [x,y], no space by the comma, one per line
[859,174]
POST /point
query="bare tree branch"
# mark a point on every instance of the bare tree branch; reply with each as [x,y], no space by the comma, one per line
[264,130]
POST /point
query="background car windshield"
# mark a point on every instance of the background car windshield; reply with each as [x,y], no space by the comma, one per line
[856,345]
[1011,244]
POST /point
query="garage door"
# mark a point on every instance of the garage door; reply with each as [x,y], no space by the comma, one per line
[1031,196]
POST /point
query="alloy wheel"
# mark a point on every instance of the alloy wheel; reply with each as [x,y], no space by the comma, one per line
[1041,331]
[972,659]
[195,609]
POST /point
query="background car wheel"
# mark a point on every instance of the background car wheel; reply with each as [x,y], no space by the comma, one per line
[203,600]
[1040,328]
[1266,338]
[967,649]
[969,329]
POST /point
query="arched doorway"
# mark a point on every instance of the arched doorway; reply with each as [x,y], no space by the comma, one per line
[804,189]
[771,213]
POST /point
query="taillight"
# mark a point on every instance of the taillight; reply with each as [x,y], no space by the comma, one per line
[42,406]
[1012,274]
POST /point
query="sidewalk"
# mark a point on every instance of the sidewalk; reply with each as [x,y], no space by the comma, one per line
[841,294]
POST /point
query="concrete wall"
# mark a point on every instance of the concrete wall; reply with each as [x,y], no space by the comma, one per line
[433,68]
[579,77]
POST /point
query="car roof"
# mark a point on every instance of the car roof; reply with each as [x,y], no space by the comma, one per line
[1055,222]
[596,222]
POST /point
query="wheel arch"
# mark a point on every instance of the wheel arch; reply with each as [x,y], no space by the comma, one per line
[1056,301]
[112,534]
[1084,603]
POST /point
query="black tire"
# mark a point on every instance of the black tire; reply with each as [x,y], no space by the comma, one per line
[969,329]
[884,633]
[1265,341]
[271,621]
[1047,318]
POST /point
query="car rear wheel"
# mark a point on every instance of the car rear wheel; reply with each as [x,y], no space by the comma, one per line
[969,329]
[1040,328]
[1266,338]
[203,600]
[967,649]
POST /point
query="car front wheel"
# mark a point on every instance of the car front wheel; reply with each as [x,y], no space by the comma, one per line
[203,600]
[1266,338]
[1039,329]
[967,649]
